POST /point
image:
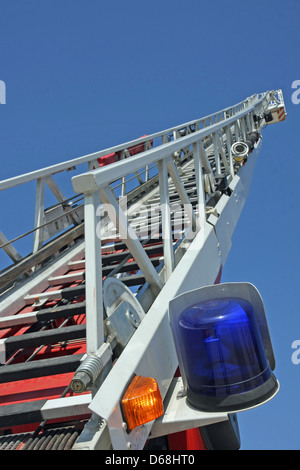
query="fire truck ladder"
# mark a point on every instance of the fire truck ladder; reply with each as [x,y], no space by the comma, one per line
[86,310]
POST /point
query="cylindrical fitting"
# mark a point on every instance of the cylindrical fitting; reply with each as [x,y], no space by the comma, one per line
[80,382]
[239,151]
[86,374]
[252,139]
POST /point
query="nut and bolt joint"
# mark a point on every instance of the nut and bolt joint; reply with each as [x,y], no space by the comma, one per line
[86,374]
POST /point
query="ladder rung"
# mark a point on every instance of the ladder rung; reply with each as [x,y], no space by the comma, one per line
[38,411]
[80,264]
[68,293]
[39,338]
[65,278]
[40,368]
[118,256]
[133,280]
[48,295]
[21,413]
[46,314]
[130,266]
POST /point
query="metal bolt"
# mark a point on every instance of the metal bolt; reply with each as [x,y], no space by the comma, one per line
[77,386]
[80,382]
[86,374]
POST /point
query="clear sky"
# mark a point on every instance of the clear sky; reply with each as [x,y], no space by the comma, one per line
[81,76]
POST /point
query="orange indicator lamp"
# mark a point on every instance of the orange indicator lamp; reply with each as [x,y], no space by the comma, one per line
[142,402]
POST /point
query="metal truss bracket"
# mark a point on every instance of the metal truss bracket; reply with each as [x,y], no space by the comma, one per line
[229,208]
[179,415]
[95,436]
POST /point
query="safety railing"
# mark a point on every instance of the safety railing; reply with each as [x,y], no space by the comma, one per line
[208,142]
[194,164]
[51,219]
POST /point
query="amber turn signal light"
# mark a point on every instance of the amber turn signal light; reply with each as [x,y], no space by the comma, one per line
[141,402]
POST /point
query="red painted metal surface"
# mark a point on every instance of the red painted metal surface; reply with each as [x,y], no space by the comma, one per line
[116,156]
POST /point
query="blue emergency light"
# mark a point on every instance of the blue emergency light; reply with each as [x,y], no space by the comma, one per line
[223,345]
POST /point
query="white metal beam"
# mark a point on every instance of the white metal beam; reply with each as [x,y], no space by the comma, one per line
[9,248]
[151,350]
[182,193]
[130,239]
[199,185]
[93,275]
[39,214]
[179,416]
[166,218]
[93,180]
[255,100]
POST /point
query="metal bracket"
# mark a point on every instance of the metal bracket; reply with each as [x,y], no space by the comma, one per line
[179,415]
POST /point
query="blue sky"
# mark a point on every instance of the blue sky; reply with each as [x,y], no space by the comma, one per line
[85,75]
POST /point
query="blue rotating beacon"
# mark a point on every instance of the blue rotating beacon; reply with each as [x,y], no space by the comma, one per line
[224,348]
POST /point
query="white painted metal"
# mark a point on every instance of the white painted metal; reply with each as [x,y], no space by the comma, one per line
[199,185]
[115,292]
[179,415]
[70,164]
[151,350]
[93,270]
[196,261]
[166,218]
[223,118]
[95,179]
[182,193]
[9,249]
[57,280]
[65,407]
[231,207]
[118,217]
[39,213]
[60,196]
[14,300]
[153,339]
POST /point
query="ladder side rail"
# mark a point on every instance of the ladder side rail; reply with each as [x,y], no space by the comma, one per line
[39,214]
[150,339]
[153,337]
[99,180]
[45,175]
[91,181]
[166,218]
[69,164]
[93,265]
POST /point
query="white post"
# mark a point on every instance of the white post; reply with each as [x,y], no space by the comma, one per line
[93,275]
[182,193]
[199,184]
[39,213]
[166,218]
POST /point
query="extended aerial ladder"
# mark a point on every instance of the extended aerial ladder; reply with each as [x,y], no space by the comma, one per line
[87,309]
